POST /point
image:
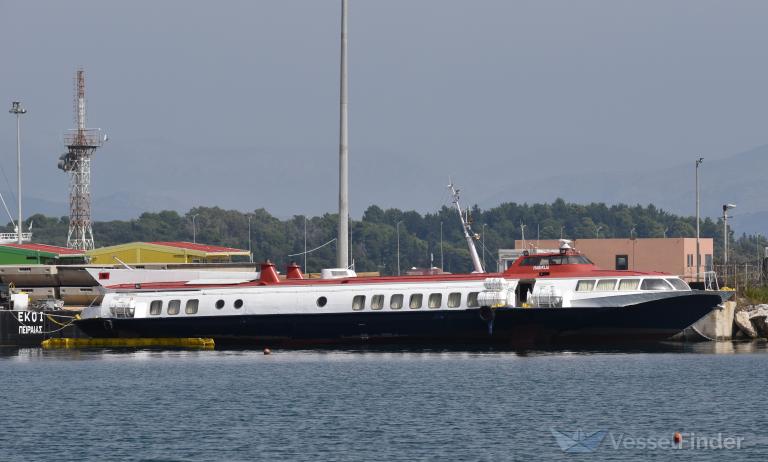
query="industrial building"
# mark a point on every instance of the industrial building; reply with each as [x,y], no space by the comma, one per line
[669,255]
[34,254]
[164,252]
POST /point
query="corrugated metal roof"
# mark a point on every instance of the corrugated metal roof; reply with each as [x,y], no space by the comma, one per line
[199,247]
[54,249]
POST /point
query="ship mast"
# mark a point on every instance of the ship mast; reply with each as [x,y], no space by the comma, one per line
[468,234]
[342,250]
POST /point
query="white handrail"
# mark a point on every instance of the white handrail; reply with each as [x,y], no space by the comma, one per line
[14,237]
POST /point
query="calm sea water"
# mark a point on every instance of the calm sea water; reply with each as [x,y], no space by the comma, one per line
[382,405]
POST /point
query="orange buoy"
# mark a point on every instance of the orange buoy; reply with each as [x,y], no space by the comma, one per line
[677,437]
[267,351]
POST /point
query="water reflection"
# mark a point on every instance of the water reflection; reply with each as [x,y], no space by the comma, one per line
[390,351]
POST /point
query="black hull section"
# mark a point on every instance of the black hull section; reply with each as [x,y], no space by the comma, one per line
[28,329]
[653,320]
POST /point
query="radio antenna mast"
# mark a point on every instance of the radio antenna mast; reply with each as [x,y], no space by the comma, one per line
[81,144]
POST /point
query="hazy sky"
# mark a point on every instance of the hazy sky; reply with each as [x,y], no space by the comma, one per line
[236,103]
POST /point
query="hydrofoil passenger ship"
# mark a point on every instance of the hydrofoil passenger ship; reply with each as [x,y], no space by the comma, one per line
[540,299]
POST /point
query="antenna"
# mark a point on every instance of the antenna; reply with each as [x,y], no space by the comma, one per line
[81,144]
[467,228]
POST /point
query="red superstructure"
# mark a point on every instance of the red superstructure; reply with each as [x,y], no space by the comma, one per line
[567,263]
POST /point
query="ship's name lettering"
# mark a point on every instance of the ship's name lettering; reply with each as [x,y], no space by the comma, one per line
[26,330]
[29,316]
[541,267]
[25,317]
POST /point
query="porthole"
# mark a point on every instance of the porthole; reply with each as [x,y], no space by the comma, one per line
[238,304]
[321,301]
[219,304]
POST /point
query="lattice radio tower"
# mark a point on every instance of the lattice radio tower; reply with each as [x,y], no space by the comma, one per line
[81,144]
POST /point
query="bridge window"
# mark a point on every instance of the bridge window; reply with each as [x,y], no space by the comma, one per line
[605,285]
[377,302]
[586,285]
[156,307]
[629,284]
[531,261]
[174,306]
[678,284]
[191,307]
[472,300]
[396,302]
[358,303]
[435,300]
[655,284]
[454,299]
[577,260]
[415,302]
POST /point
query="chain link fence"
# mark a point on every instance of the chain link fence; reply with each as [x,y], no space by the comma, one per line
[741,276]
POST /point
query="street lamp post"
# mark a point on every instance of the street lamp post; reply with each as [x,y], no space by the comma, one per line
[397,226]
[698,245]
[597,232]
[441,247]
[483,244]
[194,230]
[250,252]
[726,207]
[305,245]
[18,110]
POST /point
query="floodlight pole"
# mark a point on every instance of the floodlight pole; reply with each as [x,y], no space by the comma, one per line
[18,110]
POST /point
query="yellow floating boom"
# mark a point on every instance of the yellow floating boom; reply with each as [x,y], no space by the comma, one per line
[54,343]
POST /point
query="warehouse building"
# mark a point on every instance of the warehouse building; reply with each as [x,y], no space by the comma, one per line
[39,254]
[165,252]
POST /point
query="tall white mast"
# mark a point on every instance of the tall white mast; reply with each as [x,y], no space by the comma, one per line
[468,234]
[342,250]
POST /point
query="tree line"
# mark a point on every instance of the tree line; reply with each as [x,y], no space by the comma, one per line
[431,239]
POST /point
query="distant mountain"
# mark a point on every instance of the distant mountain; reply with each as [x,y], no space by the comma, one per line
[126,205]
[31,206]
[116,206]
[741,179]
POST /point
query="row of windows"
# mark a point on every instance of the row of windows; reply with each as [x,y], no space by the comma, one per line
[610,285]
[415,301]
[552,260]
[174,306]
